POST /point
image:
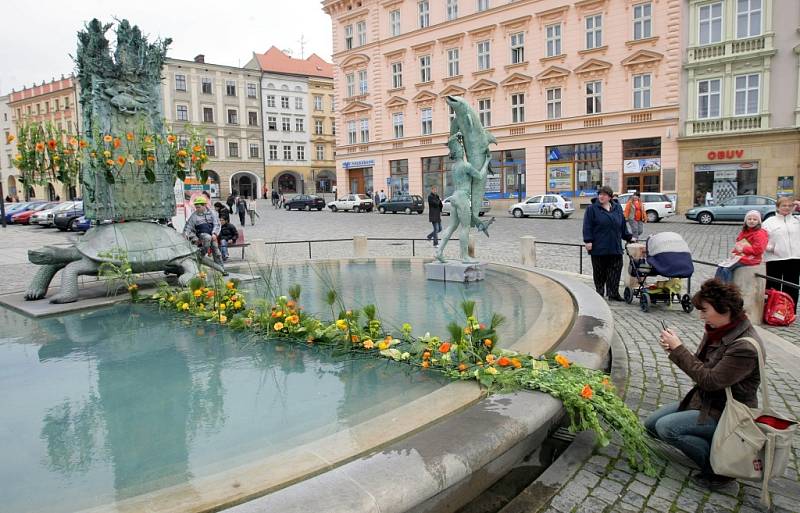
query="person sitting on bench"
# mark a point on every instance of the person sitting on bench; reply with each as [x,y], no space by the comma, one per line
[227,235]
[202,228]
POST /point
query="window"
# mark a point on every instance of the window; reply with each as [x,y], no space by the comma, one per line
[364,130]
[485,111]
[710,19]
[517,48]
[180,82]
[271,101]
[484,62]
[708,98]
[594,91]
[47,107]
[641,91]
[211,149]
[452,62]
[426,115]
[55,106]
[299,125]
[361,32]
[252,118]
[594,31]
[554,103]
[298,103]
[272,123]
[230,87]
[284,102]
[483,5]
[301,152]
[642,21]
[254,150]
[208,114]
[287,152]
[320,152]
[425,68]
[351,132]
[452,9]
[362,82]
[424,14]
[748,18]
[273,152]
[397,75]
[553,39]
[286,124]
[205,85]
[746,94]
[394,23]
[348,37]
[397,124]
[233,149]
[317,102]
[317,127]
[398,174]
[233,117]
[252,92]
[641,164]
[183,113]
[350,84]
[518,108]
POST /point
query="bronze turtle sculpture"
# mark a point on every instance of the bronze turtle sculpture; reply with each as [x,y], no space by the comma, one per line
[148,247]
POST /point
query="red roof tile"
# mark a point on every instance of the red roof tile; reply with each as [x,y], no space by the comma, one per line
[278,62]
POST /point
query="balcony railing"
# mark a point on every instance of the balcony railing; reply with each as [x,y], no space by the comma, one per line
[730,48]
[723,125]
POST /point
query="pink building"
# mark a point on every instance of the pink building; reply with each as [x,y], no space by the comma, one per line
[578,94]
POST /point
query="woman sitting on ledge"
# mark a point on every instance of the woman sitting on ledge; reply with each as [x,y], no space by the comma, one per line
[722,360]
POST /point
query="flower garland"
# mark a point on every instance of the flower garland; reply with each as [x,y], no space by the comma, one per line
[470,352]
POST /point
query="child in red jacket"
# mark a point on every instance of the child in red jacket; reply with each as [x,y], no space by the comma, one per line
[750,246]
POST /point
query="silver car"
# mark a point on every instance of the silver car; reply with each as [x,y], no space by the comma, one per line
[446,206]
[547,205]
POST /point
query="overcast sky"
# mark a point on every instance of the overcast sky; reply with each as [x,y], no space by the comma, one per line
[38,47]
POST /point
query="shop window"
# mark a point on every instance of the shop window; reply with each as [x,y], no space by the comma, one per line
[398,171]
[718,183]
[508,179]
[575,169]
[641,165]
[434,174]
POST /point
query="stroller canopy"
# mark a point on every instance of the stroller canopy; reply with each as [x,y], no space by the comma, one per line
[669,255]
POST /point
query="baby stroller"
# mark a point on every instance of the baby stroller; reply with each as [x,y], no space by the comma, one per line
[667,255]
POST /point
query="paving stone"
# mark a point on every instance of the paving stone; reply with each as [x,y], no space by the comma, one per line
[659,503]
[632,498]
[618,475]
[593,505]
[586,478]
[640,488]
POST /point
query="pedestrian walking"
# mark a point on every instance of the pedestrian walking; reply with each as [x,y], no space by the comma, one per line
[252,211]
[282,201]
[241,209]
[266,192]
[750,246]
[635,215]
[376,199]
[382,196]
[604,227]
[275,198]
[231,202]
[783,248]
[435,216]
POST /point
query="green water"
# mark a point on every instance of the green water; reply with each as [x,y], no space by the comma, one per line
[102,406]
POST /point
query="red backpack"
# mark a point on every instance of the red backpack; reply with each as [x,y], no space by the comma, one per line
[779,308]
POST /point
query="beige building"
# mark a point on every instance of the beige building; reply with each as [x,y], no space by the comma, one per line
[9,175]
[224,103]
[741,108]
[323,135]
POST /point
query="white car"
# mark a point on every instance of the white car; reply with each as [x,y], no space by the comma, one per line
[354,202]
[447,207]
[46,217]
[656,205]
[547,205]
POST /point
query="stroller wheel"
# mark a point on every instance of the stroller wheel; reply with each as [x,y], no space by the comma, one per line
[686,303]
[627,294]
[644,302]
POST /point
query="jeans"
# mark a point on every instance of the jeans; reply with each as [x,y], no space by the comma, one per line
[606,271]
[223,248]
[206,242]
[726,273]
[437,227]
[681,430]
[636,227]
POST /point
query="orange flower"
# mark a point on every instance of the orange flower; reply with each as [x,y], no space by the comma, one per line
[606,383]
[482,326]
[170,138]
[487,342]
[51,144]
[586,393]
[121,160]
[291,304]
[210,294]
[197,148]
[516,363]
[109,162]
[426,355]
[194,158]
[140,162]
[73,141]
[39,147]
[83,143]
[353,338]
[562,361]
[107,138]
[230,285]
[148,139]
[10,138]
[503,361]
[462,367]
[93,154]
[182,153]
[151,158]
[489,358]
[129,136]
[426,364]
[278,326]
[467,330]
[117,142]
[444,348]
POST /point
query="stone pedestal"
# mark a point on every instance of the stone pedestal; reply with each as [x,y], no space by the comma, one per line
[637,251]
[453,270]
[752,290]
[527,250]
[360,246]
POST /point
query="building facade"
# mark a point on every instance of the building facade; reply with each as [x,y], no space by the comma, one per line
[224,104]
[55,102]
[291,90]
[577,94]
[742,100]
[9,175]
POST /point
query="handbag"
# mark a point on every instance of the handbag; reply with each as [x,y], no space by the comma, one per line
[752,443]
[779,308]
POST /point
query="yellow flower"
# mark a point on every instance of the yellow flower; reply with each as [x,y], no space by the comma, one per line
[230,285]
[222,306]
[278,326]
[198,293]
[185,306]
[107,154]
[223,319]
[237,304]
[383,345]
[10,138]
[341,324]
[491,370]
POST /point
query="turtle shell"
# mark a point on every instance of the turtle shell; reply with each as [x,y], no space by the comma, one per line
[144,243]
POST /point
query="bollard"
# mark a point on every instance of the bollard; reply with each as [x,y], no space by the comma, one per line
[752,289]
[471,245]
[259,250]
[360,246]
[527,250]
[637,251]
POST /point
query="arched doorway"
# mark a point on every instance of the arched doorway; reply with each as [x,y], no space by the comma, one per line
[12,186]
[246,184]
[51,192]
[325,180]
[287,182]
[213,179]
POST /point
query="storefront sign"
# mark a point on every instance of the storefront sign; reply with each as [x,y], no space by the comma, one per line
[559,177]
[355,164]
[785,186]
[725,175]
[724,154]
[652,165]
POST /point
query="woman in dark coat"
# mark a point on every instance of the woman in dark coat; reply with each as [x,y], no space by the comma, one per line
[604,227]
[435,216]
[723,360]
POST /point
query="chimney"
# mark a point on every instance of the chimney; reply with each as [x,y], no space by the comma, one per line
[200,58]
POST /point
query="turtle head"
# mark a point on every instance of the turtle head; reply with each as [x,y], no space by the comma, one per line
[51,255]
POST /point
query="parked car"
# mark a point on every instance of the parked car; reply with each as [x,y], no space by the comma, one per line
[733,209]
[16,208]
[46,217]
[548,205]
[24,216]
[305,202]
[446,206]
[67,220]
[656,205]
[354,202]
[82,224]
[407,204]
